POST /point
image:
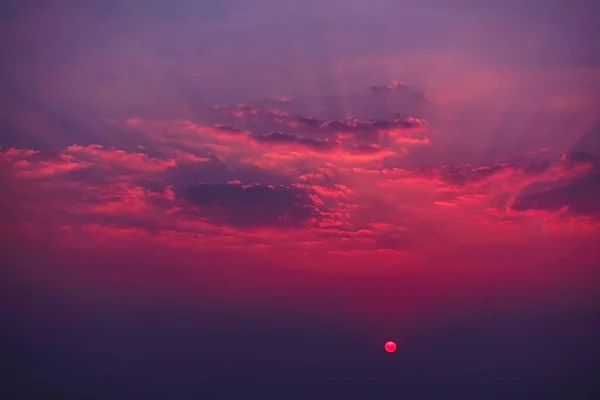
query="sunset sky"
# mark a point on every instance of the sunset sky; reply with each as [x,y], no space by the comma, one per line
[247,198]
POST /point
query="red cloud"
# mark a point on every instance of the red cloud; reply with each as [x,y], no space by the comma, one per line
[333,191]
[24,163]
[337,210]
[119,158]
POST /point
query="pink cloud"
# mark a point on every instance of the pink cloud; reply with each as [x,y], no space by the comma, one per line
[25,163]
[119,158]
[343,191]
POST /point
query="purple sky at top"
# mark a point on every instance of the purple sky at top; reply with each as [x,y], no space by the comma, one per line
[491,68]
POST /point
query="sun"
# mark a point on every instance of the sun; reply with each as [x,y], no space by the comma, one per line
[390,346]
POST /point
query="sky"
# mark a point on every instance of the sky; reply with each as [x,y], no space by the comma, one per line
[246,199]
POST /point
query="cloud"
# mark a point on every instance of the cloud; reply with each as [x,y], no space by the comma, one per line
[297,174]
[32,164]
[331,150]
[309,121]
[367,149]
[464,187]
[277,152]
[385,88]
[259,118]
[248,111]
[283,99]
[399,86]
[518,173]
[580,197]
[251,206]
[231,130]
[362,126]
[117,158]
[589,142]
[286,139]
[467,174]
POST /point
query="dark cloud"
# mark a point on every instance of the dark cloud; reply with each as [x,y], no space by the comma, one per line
[359,127]
[582,157]
[380,88]
[471,174]
[341,126]
[261,121]
[537,167]
[322,146]
[398,86]
[309,121]
[232,130]
[286,138]
[391,241]
[215,170]
[589,142]
[247,206]
[465,174]
[581,197]
[366,149]
[353,125]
